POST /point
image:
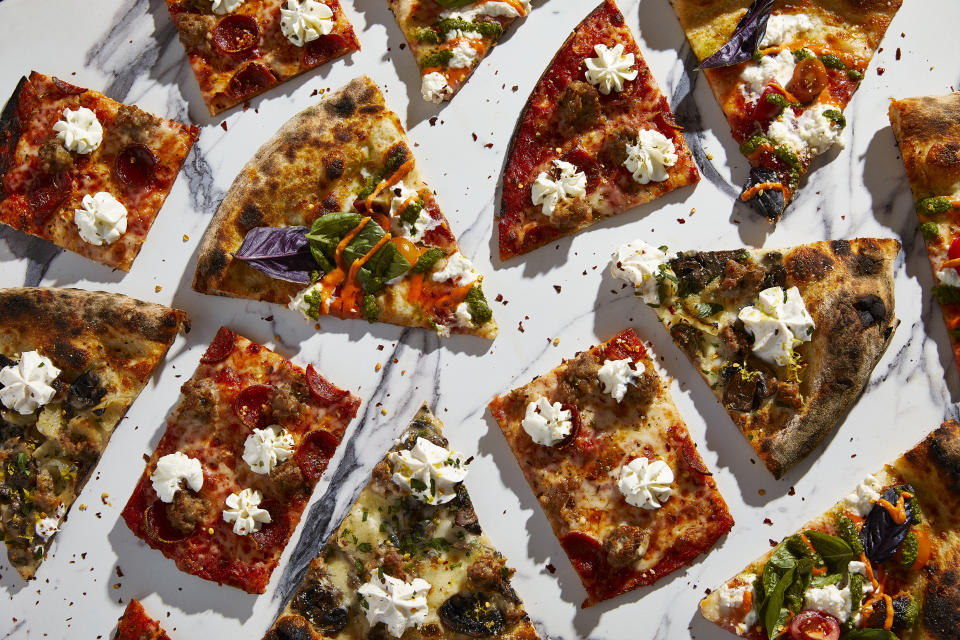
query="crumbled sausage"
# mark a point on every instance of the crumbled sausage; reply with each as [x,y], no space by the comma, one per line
[54,158]
[579,106]
[788,393]
[193,30]
[186,510]
[613,152]
[568,214]
[558,500]
[287,476]
[199,397]
[382,480]
[741,279]
[392,563]
[625,545]
[132,120]
[285,403]
[486,572]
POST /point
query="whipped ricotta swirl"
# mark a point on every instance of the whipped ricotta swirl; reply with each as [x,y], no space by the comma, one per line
[171,470]
[546,423]
[221,7]
[615,375]
[457,268]
[640,264]
[861,500]
[79,130]
[397,604]
[102,220]
[646,484]
[650,156]
[243,510]
[784,28]
[434,87]
[778,323]
[266,448]
[610,68]
[809,134]
[548,191]
[27,384]
[47,526]
[304,21]
[429,472]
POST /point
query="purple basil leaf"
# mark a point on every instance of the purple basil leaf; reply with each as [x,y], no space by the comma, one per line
[880,535]
[280,252]
[745,39]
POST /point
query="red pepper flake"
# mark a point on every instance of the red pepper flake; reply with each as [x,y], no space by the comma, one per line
[489,145]
[880,71]
[379,347]
[474,136]
[499,297]
[768,522]
[556,287]
[552,569]
[433,121]
[223,125]
[681,221]
[898,53]
[772,542]
[403,45]
[315,92]
[792,492]
[520,327]
[119,572]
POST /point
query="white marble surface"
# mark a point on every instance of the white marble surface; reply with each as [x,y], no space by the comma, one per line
[129,50]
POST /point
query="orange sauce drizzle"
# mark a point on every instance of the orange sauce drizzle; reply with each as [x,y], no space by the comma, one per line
[757,188]
[388,182]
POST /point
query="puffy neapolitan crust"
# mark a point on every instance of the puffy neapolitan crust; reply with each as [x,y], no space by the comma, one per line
[390,532]
[135,624]
[615,547]
[928,132]
[568,119]
[239,386]
[107,346]
[848,289]
[42,183]
[316,164]
[932,471]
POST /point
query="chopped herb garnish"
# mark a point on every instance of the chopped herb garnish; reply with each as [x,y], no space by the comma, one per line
[832,62]
[364,547]
[836,116]
[933,206]
[855,74]
[437,59]
[802,54]
[930,230]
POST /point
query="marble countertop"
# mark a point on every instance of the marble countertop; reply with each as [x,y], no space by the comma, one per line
[129,50]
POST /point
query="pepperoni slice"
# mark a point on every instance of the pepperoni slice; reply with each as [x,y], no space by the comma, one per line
[273,534]
[236,35]
[324,392]
[158,527]
[322,49]
[228,377]
[625,345]
[250,79]
[314,454]
[575,425]
[135,165]
[221,347]
[252,404]
[46,191]
[66,88]
[689,453]
[586,162]
[585,553]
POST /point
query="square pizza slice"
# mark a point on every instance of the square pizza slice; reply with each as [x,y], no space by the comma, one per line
[240,48]
[83,171]
[226,485]
[612,463]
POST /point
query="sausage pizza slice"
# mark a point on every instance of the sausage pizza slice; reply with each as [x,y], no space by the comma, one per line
[228,481]
[332,217]
[608,456]
[410,559]
[137,625]
[786,338]
[783,72]
[880,565]
[71,364]
[595,138]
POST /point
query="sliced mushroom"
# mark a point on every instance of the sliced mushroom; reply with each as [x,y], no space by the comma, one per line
[86,391]
[472,614]
[319,602]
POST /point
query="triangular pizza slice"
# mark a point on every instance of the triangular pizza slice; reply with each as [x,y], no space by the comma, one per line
[71,364]
[409,559]
[332,217]
[880,565]
[449,38]
[783,74]
[786,338]
[595,138]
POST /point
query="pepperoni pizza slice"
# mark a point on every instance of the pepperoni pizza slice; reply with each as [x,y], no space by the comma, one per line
[608,456]
[228,481]
[783,72]
[410,559]
[449,38]
[240,48]
[137,625]
[83,171]
[928,132]
[596,138]
[332,217]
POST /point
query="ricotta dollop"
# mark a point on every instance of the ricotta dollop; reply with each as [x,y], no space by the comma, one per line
[397,604]
[547,192]
[429,472]
[546,423]
[457,268]
[615,375]
[949,277]
[610,68]
[778,322]
[266,448]
[79,130]
[243,510]
[861,500]
[27,384]
[464,55]
[304,21]
[47,526]
[809,134]
[492,8]
[650,156]
[784,28]
[777,68]
[221,7]
[639,264]
[646,484]
[102,220]
[434,87]
[172,469]
[730,601]
[829,599]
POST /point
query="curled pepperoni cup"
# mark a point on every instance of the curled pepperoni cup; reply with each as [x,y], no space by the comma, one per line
[814,625]
[158,527]
[250,79]
[46,192]
[690,456]
[322,49]
[252,404]
[324,392]
[135,165]
[314,454]
[585,553]
[574,425]
[220,348]
[236,35]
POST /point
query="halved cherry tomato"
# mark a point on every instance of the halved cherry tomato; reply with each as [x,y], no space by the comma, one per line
[135,165]
[236,35]
[220,348]
[252,403]
[323,391]
[765,111]
[314,454]
[814,625]
[954,250]
[585,553]
[809,80]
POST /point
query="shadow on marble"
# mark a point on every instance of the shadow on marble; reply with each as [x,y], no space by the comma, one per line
[38,252]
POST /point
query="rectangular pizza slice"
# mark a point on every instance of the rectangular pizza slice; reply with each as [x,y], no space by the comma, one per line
[83,171]
[881,564]
[228,481]
[410,559]
[611,462]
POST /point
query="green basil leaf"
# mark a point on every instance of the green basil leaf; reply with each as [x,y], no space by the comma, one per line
[793,595]
[828,579]
[326,233]
[797,547]
[361,244]
[772,612]
[849,533]
[836,553]
[707,309]
[387,263]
